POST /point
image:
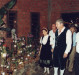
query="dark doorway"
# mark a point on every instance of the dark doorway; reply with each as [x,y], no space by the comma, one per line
[35,25]
[70,18]
[11,21]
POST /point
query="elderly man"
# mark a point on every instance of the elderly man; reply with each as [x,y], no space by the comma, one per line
[63,41]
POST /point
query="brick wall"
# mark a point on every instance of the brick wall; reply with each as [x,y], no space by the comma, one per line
[24,7]
[63,6]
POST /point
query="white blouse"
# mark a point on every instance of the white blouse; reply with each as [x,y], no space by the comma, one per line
[45,39]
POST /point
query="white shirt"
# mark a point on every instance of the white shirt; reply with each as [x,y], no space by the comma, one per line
[77,42]
[52,34]
[68,40]
[45,39]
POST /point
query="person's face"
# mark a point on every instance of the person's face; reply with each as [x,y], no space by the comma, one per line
[53,26]
[44,32]
[72,29]
[58,25]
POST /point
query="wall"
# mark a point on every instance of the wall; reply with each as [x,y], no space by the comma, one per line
[63,6]
[24,7]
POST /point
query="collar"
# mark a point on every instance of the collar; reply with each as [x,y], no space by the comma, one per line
[61,30]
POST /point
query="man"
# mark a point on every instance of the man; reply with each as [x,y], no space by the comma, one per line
[52,33]
[77,55]
[63,43]
[73,51]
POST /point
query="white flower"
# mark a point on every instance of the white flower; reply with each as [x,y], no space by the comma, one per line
[30,45]
[15,69]
[14,45]
[2,65]
[7,66]
[2,73]
[28,55]
[26,46]
[21,57]
[15,41]
[13,59]
[22,43]
[26,58]
[20,62]
[20,51]
[4,55]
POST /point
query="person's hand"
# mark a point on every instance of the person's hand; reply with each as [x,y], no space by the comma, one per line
[39,53]
[65,55]
[52,50]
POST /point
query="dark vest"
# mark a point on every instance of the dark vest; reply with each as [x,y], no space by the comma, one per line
[60,41]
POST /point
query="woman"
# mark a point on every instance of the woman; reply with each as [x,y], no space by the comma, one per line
[45,50]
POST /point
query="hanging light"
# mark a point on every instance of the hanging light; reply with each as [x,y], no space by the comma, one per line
[71,21]
[76,25]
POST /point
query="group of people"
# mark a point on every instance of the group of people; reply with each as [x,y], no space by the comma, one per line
[59,45]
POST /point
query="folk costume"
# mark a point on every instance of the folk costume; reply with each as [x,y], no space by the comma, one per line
[62,45]
[46,54]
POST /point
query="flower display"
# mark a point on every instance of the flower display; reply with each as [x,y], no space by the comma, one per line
[1,41]
[19,54]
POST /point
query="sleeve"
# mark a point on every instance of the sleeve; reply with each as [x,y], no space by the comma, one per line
[74,38]
[77,37]
[52,42]
[41,40]
[68,41]
[49,33]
